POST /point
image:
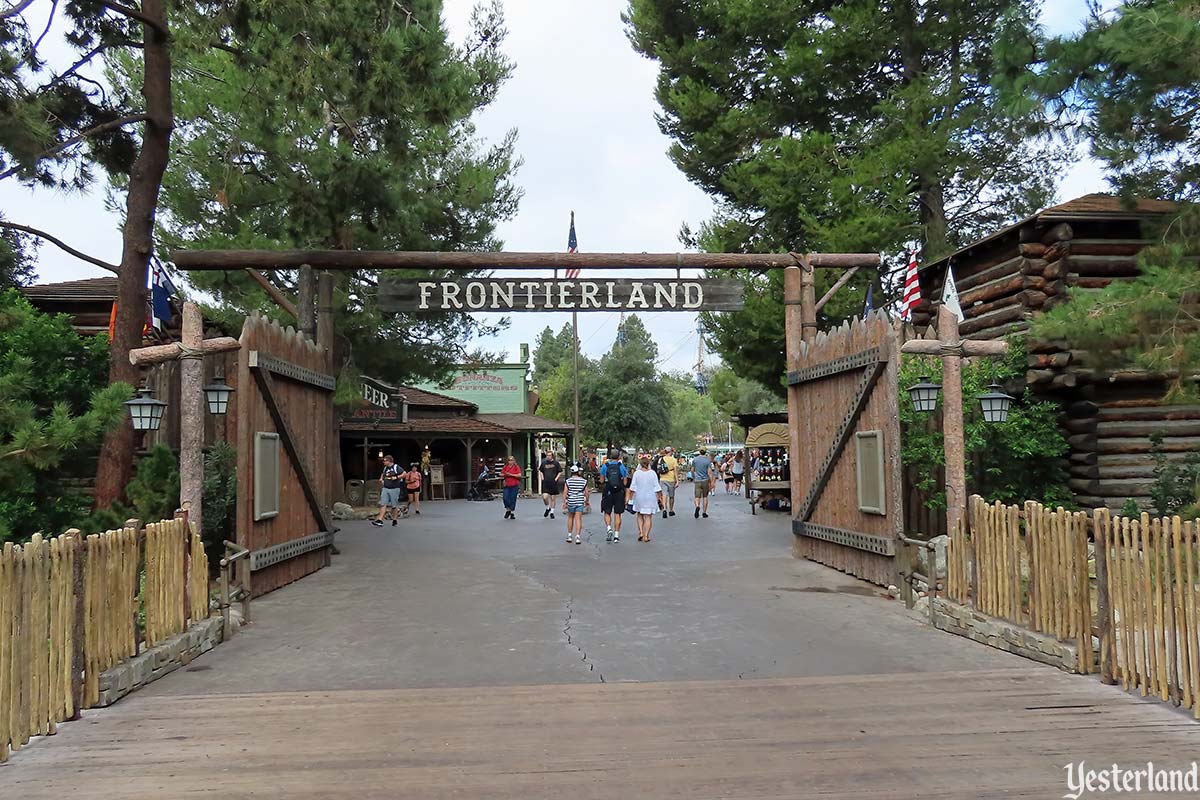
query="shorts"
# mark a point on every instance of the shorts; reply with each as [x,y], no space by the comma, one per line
[668,488]
[703,487]
[612,502]
[550,489]
[575,509]
[730,479]
[389,498]
[413,491]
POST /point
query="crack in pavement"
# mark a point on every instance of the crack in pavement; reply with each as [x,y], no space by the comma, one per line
[567,623]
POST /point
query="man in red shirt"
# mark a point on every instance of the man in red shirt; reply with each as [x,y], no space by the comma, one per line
[512,474]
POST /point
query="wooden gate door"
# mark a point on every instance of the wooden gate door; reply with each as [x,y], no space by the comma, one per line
[285,443]
[847,504]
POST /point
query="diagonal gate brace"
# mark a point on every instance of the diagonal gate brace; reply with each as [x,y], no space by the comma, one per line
[863,393]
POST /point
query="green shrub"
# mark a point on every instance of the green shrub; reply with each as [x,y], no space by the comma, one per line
[1174,487]
[1020,458]
[220,500]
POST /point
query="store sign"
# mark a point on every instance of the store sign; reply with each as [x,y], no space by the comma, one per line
[515,294]
[380,402]
[482,382]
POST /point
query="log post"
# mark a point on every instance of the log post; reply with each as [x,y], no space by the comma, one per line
[306,303]
[952,416]
[793,327]
[808,301]
[1100,523]
[78,630]
[191,413]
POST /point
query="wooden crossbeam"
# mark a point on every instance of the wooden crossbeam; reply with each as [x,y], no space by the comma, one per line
[266,385]
[842,436]
[195,260]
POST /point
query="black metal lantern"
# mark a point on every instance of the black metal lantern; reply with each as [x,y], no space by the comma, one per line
[145,411]
[217,393]
[924,394]
[994,403]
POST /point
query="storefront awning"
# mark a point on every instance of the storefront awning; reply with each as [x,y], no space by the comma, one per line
[433,427]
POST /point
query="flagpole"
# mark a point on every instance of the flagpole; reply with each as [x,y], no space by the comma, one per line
[575,339]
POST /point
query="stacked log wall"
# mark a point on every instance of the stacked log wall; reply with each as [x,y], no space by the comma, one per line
[1110,416]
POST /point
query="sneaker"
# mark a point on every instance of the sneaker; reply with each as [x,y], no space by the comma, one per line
[393,523]
[569,539]
[706,516]
[578,540]
[664,513]
[551,515]
[672,513]
[378,523]
[610,535]
[697,514]
[616,538]
[417,512]
[546,513]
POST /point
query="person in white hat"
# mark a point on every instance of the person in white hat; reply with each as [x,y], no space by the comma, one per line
[575,499]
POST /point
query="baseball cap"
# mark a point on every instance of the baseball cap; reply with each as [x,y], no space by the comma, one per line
[670,449]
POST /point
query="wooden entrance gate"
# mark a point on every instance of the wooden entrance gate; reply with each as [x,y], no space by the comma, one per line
[284,437]
[847,504]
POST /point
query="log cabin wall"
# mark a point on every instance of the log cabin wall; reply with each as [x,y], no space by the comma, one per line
[1005,280]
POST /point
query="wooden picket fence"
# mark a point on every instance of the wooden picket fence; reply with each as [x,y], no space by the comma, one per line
[71,608]
[1029,567]
[1149,621]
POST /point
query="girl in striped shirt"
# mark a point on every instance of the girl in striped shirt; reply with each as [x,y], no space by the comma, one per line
[575,499]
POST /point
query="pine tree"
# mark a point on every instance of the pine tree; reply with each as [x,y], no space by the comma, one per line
[855,126]
[54,407]
[338,125]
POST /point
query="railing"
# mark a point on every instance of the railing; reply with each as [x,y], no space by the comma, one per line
[72,607]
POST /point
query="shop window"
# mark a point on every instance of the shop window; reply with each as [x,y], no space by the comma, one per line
[266,475]
[872,497]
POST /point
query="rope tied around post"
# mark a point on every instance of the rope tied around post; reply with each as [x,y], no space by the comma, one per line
[186,352]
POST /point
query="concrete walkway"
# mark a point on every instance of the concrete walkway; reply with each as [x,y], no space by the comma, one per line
[461,597]
[460,655]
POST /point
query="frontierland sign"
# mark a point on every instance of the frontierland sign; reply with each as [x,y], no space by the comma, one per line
[604,294]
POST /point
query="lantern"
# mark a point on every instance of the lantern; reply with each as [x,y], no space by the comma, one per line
[924,394]
[994,403]
[145,411]
[217,393]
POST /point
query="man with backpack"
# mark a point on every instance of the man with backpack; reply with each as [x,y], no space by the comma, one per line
[614,480]
[667,467]
[389,496]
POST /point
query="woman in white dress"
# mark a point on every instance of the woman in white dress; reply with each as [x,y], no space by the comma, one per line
[645,494]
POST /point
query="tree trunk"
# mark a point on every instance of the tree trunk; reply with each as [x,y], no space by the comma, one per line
[145,180]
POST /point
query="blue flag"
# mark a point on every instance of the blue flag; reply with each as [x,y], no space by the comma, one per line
[161,290]
[869,307]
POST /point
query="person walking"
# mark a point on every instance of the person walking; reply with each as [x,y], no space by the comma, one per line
[738,470]
[646,493]
[511,474]
[575,499]
[389,495]
[703,469]
[412,485]
[551,472]
[614,483]
[668,477]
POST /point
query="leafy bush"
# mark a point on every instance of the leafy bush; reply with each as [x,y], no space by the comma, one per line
[1020,457]
[1175,482]
[220,499]
[153,493]
[1131,509]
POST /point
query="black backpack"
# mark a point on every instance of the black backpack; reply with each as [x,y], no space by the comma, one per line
[660,465]
[612,476]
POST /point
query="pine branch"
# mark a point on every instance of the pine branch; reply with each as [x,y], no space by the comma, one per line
[113,268]
[17,9]
[134,13]
[103,127]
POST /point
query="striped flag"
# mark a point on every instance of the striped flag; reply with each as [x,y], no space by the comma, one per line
[572,247]
[912,289]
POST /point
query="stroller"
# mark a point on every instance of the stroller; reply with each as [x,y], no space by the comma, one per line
[480,490]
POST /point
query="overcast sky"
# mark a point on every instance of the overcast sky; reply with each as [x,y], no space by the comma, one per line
[582,101]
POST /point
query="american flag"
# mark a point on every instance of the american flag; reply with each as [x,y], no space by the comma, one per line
[912,289]
[572,247]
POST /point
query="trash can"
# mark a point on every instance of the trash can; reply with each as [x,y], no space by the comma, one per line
[356,493]
[374,489]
